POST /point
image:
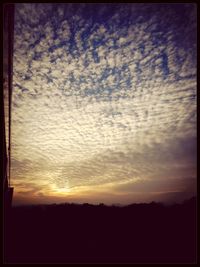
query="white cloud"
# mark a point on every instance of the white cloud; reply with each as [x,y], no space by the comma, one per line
[85,122]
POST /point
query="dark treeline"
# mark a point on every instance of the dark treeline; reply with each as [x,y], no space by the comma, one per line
[70,233]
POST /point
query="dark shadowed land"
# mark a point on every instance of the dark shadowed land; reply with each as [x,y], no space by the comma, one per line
[70,233]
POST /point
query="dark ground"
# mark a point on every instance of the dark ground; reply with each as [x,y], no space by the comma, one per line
[69,233]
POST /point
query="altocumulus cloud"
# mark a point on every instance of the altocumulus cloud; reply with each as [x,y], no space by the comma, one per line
[104,95]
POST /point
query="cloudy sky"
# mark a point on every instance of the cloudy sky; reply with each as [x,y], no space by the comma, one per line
[104,103]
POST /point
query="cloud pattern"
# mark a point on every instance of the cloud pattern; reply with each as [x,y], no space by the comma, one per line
[104,96]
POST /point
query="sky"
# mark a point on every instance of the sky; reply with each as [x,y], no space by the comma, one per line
[104,103]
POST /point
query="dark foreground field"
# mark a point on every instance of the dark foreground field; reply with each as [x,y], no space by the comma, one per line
[99,234]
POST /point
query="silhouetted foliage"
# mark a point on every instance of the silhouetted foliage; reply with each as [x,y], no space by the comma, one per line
[99,233]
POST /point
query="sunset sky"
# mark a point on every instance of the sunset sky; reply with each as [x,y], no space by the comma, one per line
[104,103]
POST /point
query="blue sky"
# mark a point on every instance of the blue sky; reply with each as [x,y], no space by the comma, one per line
[104,103]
